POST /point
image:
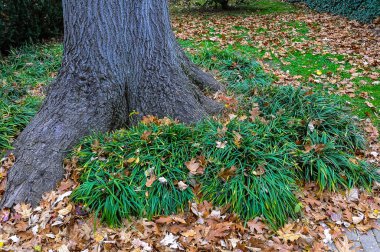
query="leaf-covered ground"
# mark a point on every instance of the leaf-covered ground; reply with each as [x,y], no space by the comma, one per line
[296,47]
[300,47]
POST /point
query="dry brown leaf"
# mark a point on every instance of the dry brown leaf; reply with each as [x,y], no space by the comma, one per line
[259,170]
[225,174]
[164,220]
[257,226]
[255,112]
[343,244]
[66,210]
[145,135]
[189,233]
[195,166]
[150,181]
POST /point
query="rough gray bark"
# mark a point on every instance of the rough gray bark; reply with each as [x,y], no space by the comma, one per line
[119,57]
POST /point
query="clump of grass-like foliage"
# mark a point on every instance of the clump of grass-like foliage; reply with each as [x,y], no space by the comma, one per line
[253,173]
[251,164]
[136,172]
[326,135]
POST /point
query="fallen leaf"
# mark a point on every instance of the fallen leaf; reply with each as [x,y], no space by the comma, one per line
[182,186]
[14,238]
[353,195]
[311,126]
[63,248]
[255,112]
[237,139]
[61,197]
[221,145]
[137,243]
[257,226]
[170,241]
[194,167]
[150,181]
[225,174]
[98,237]
[131,160]
[259,170]
[343,244]
[370,105]
[357,219]
[66,210]
[145,135]
[164,220]
[290,237]
[189,233]
[179,219]
[162,180]
[328,237]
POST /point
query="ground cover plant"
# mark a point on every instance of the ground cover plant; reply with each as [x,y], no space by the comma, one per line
[248,146]
[250,164]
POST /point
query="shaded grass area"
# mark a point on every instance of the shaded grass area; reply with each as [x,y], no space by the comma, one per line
[22,72]
[269,7]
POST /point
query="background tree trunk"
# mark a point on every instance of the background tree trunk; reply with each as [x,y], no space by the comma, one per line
[119,57]
[224,4]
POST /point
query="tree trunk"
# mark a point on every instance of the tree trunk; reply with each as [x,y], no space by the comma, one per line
[224,4]
[119,57]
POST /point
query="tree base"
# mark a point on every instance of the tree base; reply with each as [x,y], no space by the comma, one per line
[61,123]
[108,73]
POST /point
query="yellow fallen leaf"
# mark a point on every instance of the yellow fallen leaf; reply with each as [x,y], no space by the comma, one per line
[37,248]
[189,233]
[66,210]
[290,237]
[237,139]
[319,72]
[131,160]
[98,237]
